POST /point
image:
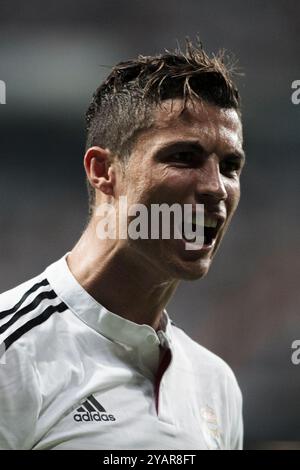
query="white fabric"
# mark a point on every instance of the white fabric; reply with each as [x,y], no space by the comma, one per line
[48,372]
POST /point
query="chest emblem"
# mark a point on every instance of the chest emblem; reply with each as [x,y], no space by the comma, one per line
[91,410]
[210,426]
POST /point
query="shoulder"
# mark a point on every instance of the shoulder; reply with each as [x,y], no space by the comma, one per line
[205,362]
[21,306]
[25,307]
[29,285]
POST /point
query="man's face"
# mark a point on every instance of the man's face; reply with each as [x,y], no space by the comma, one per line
[192,158]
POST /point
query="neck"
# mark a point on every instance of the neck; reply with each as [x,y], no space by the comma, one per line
[120,279]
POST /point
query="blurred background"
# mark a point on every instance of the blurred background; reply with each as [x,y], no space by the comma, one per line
[247,309]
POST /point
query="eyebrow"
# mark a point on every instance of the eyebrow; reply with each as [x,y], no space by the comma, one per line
[197,147]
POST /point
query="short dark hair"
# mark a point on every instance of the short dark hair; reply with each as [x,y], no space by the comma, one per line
[123,104]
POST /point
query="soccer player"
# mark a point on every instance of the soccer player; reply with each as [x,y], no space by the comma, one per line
[90,358]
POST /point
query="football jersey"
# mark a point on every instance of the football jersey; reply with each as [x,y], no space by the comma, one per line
[74,375]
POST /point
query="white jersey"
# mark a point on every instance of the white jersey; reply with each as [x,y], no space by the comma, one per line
[74,375]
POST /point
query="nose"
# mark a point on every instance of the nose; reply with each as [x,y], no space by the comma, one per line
[211,183]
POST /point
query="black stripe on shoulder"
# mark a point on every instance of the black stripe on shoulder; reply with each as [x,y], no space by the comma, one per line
[4,313]
[33,323]
[50,294]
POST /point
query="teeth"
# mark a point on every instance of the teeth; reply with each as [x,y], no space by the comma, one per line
[210,222]
[194,219]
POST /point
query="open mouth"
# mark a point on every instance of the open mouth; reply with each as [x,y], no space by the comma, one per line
[208,233]
[211,228]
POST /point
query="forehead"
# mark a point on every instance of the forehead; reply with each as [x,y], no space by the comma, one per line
[209,123]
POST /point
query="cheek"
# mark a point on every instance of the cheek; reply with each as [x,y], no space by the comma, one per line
[175,180]
[233,196]
[137,184]
[173,187]
[162,186]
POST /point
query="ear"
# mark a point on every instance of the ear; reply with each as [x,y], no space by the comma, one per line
[100,173]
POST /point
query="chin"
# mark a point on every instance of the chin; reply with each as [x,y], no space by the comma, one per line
[192,271]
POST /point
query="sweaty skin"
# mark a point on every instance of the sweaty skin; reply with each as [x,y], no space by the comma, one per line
[195,157]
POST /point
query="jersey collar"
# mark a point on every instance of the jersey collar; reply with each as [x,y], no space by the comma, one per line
[95,315]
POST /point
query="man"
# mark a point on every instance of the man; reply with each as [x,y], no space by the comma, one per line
[91,358]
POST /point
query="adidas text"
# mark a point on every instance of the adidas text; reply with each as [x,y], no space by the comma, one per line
[93,417]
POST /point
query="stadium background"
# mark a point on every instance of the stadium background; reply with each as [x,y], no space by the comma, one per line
[247,309]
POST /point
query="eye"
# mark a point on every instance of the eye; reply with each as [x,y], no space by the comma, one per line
[230,166]
[182,158]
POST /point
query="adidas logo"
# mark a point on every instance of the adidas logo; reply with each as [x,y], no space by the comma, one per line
[91,410]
